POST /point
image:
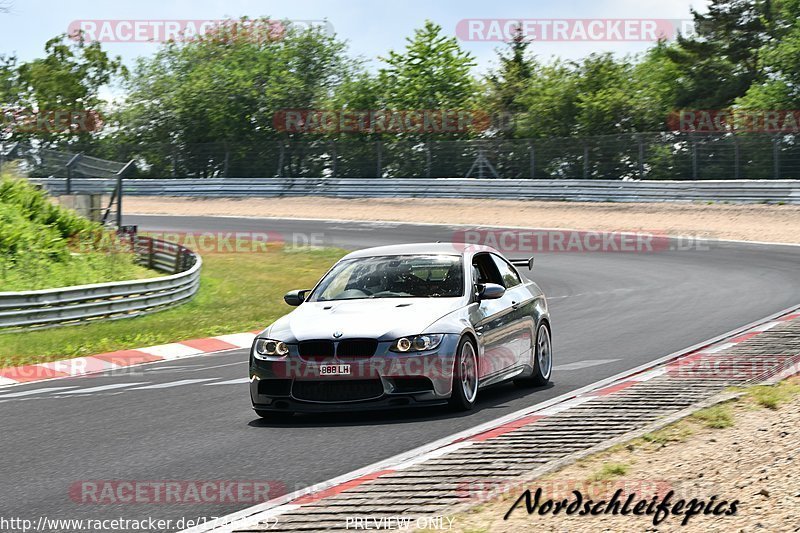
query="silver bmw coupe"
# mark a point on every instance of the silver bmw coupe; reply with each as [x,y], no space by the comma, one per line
[403,326]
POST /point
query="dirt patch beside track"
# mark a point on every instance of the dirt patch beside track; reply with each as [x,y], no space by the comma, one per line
[768,223]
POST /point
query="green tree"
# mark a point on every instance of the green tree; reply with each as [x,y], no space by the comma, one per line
[433,72]
[68,78]
[780,57]
[505,84]
[721,61]
[210,104]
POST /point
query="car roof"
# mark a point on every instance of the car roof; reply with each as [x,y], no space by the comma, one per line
[432,248]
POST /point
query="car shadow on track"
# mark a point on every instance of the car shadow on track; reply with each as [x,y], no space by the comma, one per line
[495,398]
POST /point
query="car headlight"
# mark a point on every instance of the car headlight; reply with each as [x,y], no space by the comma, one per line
[265,348]
[417,343]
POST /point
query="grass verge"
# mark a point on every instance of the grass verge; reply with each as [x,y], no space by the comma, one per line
[44,246]
[238,292]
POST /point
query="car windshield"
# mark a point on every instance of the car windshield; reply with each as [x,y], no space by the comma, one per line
[409,276]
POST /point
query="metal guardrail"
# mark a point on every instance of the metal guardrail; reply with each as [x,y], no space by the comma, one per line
[744,191]
[109,301]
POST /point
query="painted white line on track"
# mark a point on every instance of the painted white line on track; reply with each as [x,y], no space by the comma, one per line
[242,340]
[584,364]
[171,351]
[174,384]
[768,325]
[563,406]
[196,369]
[103,387]
[650,374]
[438,453]
[229,382]
[35,391]
[150,366]
[720,347]
[597,293]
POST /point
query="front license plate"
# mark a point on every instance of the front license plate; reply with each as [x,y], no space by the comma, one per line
[334,370]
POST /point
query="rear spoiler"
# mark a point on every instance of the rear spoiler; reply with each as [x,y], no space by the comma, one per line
[523,263]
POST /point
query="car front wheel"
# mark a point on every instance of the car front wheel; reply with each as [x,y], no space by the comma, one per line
[465,376]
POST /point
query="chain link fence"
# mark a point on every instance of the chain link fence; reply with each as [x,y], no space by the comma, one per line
[41,162]
[646,156]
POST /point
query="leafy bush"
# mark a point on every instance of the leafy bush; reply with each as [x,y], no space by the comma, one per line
[43,245]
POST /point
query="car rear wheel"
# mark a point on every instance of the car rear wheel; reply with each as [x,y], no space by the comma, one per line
[542,360]
[465,376]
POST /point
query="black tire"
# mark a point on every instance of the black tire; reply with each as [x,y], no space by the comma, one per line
[459,399]
[539,378]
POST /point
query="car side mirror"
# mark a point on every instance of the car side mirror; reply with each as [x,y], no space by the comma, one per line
[296,297]
[490,291]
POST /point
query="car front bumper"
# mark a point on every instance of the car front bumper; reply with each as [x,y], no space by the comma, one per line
[386,380]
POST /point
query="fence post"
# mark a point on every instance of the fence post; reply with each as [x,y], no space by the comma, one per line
[120,175]
[532,152]
[776,156]
[641,156]
[178,258]
[736,164]
[694,159]
[119,199]
[280,159]
[428,159]
[69,166]
[335,158]
[227,160]
[585,160]
[379,156]
[149,252]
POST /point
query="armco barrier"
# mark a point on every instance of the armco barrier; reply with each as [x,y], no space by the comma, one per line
[105,301]
[743,191]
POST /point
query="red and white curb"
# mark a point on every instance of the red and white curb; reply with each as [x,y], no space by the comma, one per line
[511,422]
[83,366]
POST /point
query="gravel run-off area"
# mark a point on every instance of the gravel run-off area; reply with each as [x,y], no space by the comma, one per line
[753,222]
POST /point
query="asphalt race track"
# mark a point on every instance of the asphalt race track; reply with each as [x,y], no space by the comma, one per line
[190,419]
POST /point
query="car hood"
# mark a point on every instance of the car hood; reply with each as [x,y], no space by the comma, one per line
[383,319]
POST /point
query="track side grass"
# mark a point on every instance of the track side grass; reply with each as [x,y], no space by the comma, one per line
[238,292]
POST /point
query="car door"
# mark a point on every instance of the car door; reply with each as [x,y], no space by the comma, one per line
[523,325]
[494,322]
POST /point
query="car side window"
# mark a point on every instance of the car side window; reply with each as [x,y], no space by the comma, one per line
[507,272]
[485,269]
